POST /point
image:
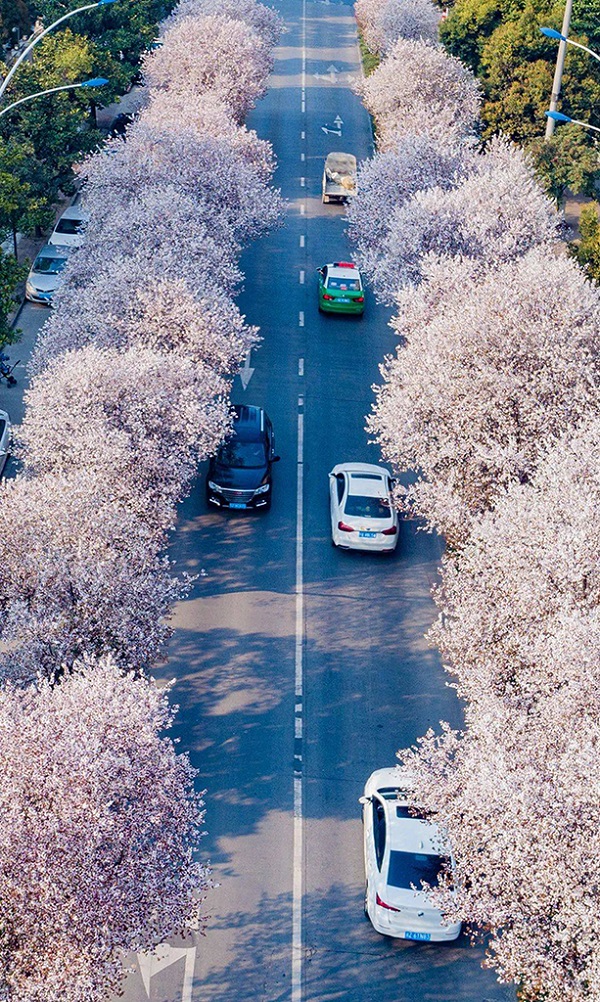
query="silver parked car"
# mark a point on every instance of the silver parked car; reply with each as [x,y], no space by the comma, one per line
[45,275]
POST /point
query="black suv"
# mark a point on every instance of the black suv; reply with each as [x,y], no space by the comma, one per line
[239,476]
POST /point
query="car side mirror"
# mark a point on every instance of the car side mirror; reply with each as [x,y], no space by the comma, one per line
[365,800]
[275,459]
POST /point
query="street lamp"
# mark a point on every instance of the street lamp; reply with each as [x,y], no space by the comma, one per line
[560,63]
[552,33]
[557,116]
[38,38]
[95,82]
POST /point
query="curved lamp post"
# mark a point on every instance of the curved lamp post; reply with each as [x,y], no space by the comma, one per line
[560,62]
[95,82]
[38,38]
[557,116]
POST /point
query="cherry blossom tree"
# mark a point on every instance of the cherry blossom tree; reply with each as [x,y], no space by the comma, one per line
[496,213]
[123,306]
[383,22]
[160,413]
[211,53]
[81,574]
[518,791]
[264,20]
[489,367]
[228,190]
[388,181]
[418,88]
[100,829]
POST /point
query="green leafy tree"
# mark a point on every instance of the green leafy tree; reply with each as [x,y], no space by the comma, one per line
[567,160]
[15,14]
[11,273]
[587,250]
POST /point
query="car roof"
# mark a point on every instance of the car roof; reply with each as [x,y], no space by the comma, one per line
[365,479]
[335,270]
[407,833]
[74,212]
[249,421]
[53,250]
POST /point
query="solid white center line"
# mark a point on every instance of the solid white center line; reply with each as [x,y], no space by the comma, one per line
[302,240]
[298,850]
[301,277]
[301,318]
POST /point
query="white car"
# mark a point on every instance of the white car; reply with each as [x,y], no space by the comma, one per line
[46,273]
[401,851]
[5,439]
[70,228]
[362,514]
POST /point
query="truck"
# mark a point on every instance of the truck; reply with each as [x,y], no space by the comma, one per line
[339,177]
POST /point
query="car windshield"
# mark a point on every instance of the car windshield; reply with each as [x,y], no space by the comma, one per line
[247,455]
[49,265]
[68,226]
[343,284]
[366,507]
[410,868]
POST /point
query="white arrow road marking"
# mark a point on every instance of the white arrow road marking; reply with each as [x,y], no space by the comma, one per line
[332,132]
[165,955]
[246,372]
[338,121]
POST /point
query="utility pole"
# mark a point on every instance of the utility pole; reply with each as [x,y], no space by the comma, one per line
[558,72]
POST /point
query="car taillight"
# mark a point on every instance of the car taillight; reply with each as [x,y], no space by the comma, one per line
[359,299]
[345,528]
[391,531]
[325,296]
[382,904]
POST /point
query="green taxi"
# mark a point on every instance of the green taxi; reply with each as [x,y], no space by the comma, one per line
[340,288]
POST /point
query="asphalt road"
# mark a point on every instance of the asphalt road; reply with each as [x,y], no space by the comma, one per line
[299,668]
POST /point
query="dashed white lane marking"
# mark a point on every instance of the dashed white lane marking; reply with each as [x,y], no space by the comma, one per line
[302,157]
[302,209]
[303,134]
[302,182]
[301,318]
[300,366]
[301,276]
[302,240]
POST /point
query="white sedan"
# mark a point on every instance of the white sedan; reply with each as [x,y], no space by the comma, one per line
[5,439]
[362,514]
[70,228]
[402,850]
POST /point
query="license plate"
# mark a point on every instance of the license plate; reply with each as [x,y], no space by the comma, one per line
[367,535]
[425,936]
[236,504]
[341,299]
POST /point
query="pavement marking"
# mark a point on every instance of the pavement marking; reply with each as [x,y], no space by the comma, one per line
[302,209]
[302,240]
[301,318]
[163,956]
[302,157]
[303,134]
[301,277]
[300,366]
[298,849]
[302,182]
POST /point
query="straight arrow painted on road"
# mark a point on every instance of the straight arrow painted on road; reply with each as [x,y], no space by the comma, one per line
[165,955]
[246,372]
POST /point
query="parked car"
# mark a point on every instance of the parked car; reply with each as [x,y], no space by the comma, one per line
[339,177]
[402,852]
[340,288]
[45,275]
[239,476]
[362,514]
[5,439]
[70,228]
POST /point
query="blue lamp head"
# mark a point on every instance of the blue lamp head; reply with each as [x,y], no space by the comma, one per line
[558,116]
[94,82]
[101,3]
[549,33]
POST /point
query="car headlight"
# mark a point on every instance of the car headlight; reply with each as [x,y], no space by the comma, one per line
[263,489]
[30,288]
[213,486]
